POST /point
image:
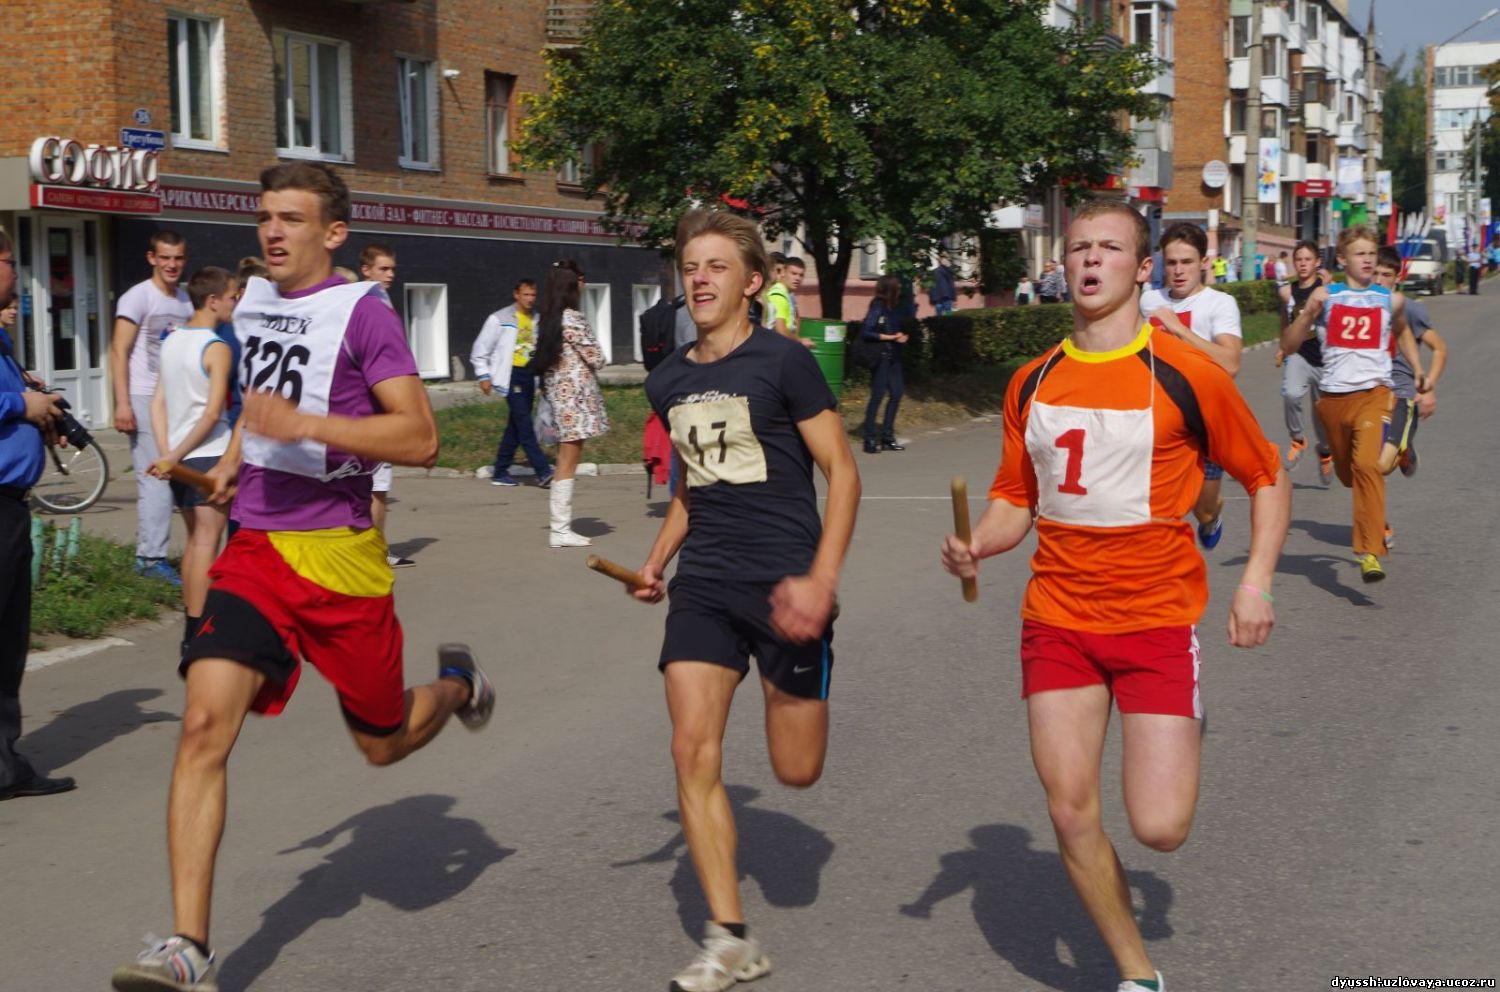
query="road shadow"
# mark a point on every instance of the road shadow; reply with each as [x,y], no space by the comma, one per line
[1027,910]
[781,853]
[592,526]
[1323,571]
[658,511]
[81,728]
[409,853]
[411,546]
[1338,535]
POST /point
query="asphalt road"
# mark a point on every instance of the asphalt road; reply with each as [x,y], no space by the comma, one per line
[1347,826]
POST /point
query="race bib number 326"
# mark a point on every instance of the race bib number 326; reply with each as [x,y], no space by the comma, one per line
[1354,327]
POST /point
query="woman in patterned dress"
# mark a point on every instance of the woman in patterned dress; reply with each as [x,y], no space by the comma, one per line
[568,356]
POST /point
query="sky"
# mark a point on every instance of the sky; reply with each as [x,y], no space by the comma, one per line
[1410,25]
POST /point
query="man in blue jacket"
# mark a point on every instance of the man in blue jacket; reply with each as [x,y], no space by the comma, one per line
[25,417]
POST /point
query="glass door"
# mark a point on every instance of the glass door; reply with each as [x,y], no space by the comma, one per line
[73,350]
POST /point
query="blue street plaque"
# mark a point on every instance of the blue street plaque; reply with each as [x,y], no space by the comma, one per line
[135,137]
[142,116]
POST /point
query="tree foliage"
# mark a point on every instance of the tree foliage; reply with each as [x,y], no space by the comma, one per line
[846,120]
[1404,141]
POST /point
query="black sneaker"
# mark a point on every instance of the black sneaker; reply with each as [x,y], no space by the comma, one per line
[890,444]
[456,661]
[871,448]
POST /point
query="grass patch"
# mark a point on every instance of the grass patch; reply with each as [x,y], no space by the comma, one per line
[1258,327]
[469,432]
[98,589]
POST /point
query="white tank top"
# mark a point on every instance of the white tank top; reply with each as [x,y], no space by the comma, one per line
[1354,331]
[291,347]
[185,381]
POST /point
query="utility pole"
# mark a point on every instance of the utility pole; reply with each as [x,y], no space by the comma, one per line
[1371,88]
[1250,188]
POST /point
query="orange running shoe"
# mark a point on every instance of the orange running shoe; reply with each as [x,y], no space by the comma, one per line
[1295,451]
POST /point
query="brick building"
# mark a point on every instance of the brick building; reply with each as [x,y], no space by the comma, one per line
[414,101]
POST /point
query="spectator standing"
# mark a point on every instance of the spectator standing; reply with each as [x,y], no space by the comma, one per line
[568,357]
[1283,269]
[1025,291]
[377,263]
[1475,263]
[145,313]
[1054,287]
[942,290]
[782,298]
[190,420]
[26,418]
[1220,269]
[887,378]
[502,360]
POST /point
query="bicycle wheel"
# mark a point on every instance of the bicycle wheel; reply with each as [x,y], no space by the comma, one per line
[73,480]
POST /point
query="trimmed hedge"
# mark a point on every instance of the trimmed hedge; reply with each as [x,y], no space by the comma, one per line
[1001,335]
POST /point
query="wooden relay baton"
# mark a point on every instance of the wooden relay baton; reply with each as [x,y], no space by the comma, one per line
[961,529]
[617,572]
[188,477]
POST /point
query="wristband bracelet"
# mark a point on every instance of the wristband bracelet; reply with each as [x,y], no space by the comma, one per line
[1257,589]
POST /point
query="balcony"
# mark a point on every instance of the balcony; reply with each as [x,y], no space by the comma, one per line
[1275,90]
[1295,39]
[1107,43]
[1312,54]
[1163,85]
[1239,74]
[1293,167]
[1351,135]
[1236,149]
[1315,117]
[1274,22]
[1155,169]
[1317,170]
[566,23]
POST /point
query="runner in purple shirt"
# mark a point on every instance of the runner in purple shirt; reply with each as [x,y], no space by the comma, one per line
[330,391]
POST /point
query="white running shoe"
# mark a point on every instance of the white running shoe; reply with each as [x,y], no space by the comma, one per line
[171,965]
[1137,987]
[724,960]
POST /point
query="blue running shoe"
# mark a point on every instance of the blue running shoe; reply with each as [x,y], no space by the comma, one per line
[503,479]
[157,568]
[544,481]
[1209,534]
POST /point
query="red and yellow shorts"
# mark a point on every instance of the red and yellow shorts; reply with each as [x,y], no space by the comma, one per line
[324,596]
[1147,671]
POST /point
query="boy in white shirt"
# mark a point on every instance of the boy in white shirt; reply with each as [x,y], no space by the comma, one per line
[190,422]
[1209,321]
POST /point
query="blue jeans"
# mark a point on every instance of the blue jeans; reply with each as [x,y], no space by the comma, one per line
[943,308]
[887,377]
[518,429]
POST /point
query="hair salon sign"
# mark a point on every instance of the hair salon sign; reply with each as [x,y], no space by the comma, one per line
[71,175]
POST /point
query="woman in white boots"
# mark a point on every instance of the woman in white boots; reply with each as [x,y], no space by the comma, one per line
[567,356]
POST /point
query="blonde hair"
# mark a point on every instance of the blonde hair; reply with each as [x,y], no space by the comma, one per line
[742,231]
[1359,232]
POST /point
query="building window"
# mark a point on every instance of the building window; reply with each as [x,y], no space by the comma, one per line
[1315,149]
[1312,87]
[1273,56]
[419,132]
[312,97]
[427,328]
[1457,75]
[871,259]
[1460,119]
[1151,27]
[499,89]
[1237,110]
[595,305]
[643,296]
[195,56]
[1239,37]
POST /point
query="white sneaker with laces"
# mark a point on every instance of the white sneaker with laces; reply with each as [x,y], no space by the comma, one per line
[1133,986]
[724,960]
[171,965]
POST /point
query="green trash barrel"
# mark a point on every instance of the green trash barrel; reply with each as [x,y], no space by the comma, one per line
[828,349]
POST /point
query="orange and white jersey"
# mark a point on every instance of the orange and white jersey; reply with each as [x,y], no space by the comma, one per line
[1107,449]
[1356,335]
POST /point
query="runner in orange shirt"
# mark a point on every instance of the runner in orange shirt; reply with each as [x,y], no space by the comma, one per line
[1105,441]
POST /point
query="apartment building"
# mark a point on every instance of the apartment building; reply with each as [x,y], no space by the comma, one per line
[1458,101]
[1320,91]
[125,116]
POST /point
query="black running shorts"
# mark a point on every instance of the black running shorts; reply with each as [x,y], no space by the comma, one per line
[724,623]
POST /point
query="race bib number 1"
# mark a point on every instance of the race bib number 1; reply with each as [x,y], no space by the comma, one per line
[1354,327]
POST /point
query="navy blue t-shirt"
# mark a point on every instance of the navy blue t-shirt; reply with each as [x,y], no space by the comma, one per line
[752,505]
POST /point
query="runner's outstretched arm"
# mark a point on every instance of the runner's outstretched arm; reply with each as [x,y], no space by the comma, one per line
[405,434]
[1251,617]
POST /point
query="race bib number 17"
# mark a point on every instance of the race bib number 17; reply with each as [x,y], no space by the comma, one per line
[716,442]
[1354,327]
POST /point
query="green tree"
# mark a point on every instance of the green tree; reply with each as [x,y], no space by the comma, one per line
[1490,142]
[1405,135]
[848,120]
